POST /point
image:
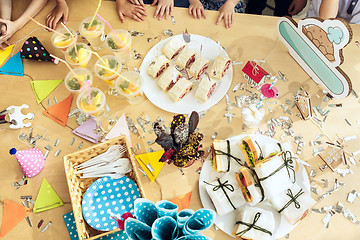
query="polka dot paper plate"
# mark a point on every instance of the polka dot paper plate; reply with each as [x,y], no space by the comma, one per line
[106,197]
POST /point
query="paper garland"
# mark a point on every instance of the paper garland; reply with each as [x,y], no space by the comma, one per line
[120,128]
[13,66]
[87,131]
[5,54]
[47,198]
[59,112]
[183,202]
[13,213]
[152,163]
[34,50]
[42,88]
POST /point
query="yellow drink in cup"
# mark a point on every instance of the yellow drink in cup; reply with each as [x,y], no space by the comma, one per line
[95,106]
[79,57]
[130,85]
[122,48]
[75,83]
[103,72]
[64,40]
[94,34]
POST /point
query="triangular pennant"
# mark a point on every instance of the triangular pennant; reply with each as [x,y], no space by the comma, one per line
[34,50]
[42,88]
[120,128]
[47,198]
[87,131]
[150,163]
[5,54]
[59,112]
[183,201]
[13,66]
[13,213]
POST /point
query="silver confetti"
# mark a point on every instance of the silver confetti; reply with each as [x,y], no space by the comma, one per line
[348,122]
[46,154]
[343,172]
[25,203]
[356,152]
[236,87]
[80,146]
[55,100]
[354,93]
[57,142]
[339,207]
[316,151]
[48,147]
[325,182]
[350,216]
[335,105]
[352,160]
[57,152]
[315,143]
[138,146]
[151,142]
[72,142]
[135,148]
[318,136]
[214,135]
[173,19]
[314,190]
[315,210]
[28,220]
[229,116]
[46,226]
[135,33]
[313,173]
[227,99]
[350,138]
[326,219]
[168,32]
[351,196]
[49,101]
[151,150]
[287,236]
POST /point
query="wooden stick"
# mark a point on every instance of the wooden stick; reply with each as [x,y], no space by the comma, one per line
[51,30]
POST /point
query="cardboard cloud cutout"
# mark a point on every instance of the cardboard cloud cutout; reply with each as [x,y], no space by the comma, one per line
[316,45]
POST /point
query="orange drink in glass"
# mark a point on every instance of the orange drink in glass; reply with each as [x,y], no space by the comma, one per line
[75,82]
[130,86]
[120,45]
[62,39]
[107,69]
[78,57]
[94,34]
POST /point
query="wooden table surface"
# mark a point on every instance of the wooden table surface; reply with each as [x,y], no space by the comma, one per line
[250,37]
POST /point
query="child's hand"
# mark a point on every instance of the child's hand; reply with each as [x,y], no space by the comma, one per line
[125,8]
[197,9]
[60,11]
[227,13]
[137,2]
[163,7]
[8,28]
[296,6]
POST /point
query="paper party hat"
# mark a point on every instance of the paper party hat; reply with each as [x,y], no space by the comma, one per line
[87,131]
[13,66]
[150,163]
[42,88]
[183,201]
[13,213]
[5,54]
[59,112]
[33,49]
[31,160]
[120,128]
[47,198]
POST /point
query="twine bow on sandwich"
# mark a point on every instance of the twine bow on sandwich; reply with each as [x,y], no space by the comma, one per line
[223,186]
[252,226]
[228,154]
[293,199]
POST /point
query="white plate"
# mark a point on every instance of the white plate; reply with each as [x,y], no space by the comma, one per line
[210,50]
[226,222]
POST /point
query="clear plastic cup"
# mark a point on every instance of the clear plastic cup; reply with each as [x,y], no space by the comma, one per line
[103,72]
[130,85]
[63,42]
[95,106]
[94,34]
[120,46]
[74,83]
[79,57]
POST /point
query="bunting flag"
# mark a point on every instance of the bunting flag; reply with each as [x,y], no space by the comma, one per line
[71,225]
[87,131]
[13,213]
[5,54]
[120,128]
[149,162]
[59,112]
[13,66]
[183,201]
[42,88]
[47,198]
[34,50]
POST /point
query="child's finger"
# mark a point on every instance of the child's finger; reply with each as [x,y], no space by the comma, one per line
[203,13]
[167,11]
[219,18]
[154,2]
[157,11]
[194,12]
[121,16]
[141,10]
[161,14]
[198,13]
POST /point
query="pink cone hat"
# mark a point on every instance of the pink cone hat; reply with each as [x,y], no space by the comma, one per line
[31,161]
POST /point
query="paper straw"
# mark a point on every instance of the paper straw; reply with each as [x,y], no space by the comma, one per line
[93,18]
[273,83]
[51,30]
[70,34]
[262,97]
[61,60]
[107,23]
[96,54]
[124,78]
[87,83]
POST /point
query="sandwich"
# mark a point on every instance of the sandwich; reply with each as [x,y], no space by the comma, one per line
[169,78]
[250,152]
[224,156]
[251,191]
[205,89]
[198,67]
[173,47]
[158,66]
[186,58]
[219,67]
[181,88]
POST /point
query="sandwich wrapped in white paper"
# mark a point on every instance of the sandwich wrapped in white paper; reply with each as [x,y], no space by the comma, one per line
[158,66]
[219,67]
[225,156]
[168,78]
[225,193]
[173,47]
[250,187]
[205,89]
[181,88]
[254,223]
[293,203]
[186,57]
[198,67]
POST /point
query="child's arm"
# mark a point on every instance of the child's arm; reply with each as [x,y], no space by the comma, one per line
[296,6]
[196,9]
[163,7]
[5,9]
[328,9]
[125,8]
[227,12]
[61,11]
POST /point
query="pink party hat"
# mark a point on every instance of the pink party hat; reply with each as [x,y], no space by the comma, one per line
[31,160]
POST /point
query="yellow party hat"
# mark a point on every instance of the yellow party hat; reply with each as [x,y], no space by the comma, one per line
[150,163]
